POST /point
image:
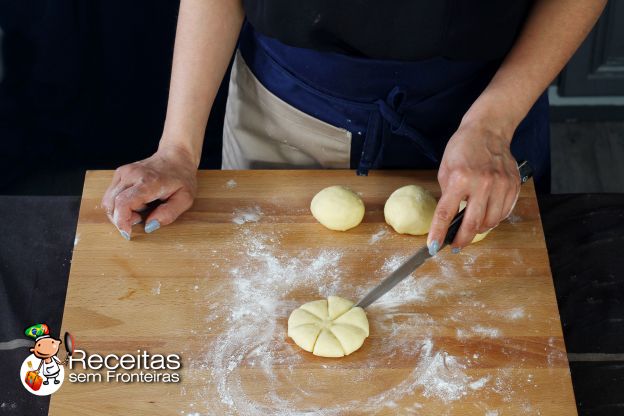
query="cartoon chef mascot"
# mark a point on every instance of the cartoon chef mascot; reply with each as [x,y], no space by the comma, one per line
[45,349]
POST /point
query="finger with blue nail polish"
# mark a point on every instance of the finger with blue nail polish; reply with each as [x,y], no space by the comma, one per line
[152,226]
[442,217]
[434,247]
[167,212]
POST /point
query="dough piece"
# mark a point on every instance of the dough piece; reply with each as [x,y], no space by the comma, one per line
[337,208]
[477,237]
[409,210]
[328,328]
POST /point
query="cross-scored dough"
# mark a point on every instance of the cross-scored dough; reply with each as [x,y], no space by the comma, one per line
[328,328]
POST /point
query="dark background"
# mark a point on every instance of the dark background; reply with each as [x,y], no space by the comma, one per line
[84,84]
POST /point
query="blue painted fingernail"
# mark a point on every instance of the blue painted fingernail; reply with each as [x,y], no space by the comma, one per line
[125,235]
[433,248]
[455,250]
[152,226]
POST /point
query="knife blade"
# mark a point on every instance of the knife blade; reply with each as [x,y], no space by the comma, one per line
[422,255]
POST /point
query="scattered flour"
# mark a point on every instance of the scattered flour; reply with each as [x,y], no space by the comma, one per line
[482,331]
[156,290]
[251,214]
[487,332]
[462,333]
[378,236]
[440,375]
[265,285]
[479,384]
[76,239]
[514,314]
[415,288]
[231,184]
[393,263]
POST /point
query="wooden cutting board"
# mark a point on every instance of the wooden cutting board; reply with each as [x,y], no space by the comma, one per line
[471,333]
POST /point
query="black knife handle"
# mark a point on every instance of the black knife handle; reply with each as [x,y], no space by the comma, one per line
[525,171]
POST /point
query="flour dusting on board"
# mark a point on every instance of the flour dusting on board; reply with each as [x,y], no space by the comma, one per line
[486,331]
[378,236]
[267,282]
[514,314]
[231,184]
[252,350]
[251,214]
[414,289]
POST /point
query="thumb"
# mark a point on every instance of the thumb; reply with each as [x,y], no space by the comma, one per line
[169,211]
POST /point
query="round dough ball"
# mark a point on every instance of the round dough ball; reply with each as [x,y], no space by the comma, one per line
[409,210]
[337,208]
[477,237]
[328,328]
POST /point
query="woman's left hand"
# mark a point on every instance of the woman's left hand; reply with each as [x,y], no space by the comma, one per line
[478,168]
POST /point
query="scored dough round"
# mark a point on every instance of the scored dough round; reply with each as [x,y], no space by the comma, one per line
[337,208]
[409,210]
[328,328]
[477,237]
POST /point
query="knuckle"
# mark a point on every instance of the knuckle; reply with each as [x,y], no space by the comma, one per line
[166,216]
[486,183]
[185,201]
[444,214]
[149,176]
[138,190]
[443,175]
[188,194]
[459,178]
[188,204]
[471,225]
[132,168]
[106,201]
[122,170]
[500,177]
[121,199]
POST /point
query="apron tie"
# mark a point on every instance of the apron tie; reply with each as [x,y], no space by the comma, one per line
[389,119]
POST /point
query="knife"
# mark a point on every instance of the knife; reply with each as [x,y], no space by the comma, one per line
[423,255]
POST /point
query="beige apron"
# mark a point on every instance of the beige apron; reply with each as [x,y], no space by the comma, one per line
[261,131]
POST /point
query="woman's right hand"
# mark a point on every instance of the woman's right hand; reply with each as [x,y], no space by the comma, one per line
[169,175]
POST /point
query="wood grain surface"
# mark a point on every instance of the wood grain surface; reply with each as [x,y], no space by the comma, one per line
[474,333]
